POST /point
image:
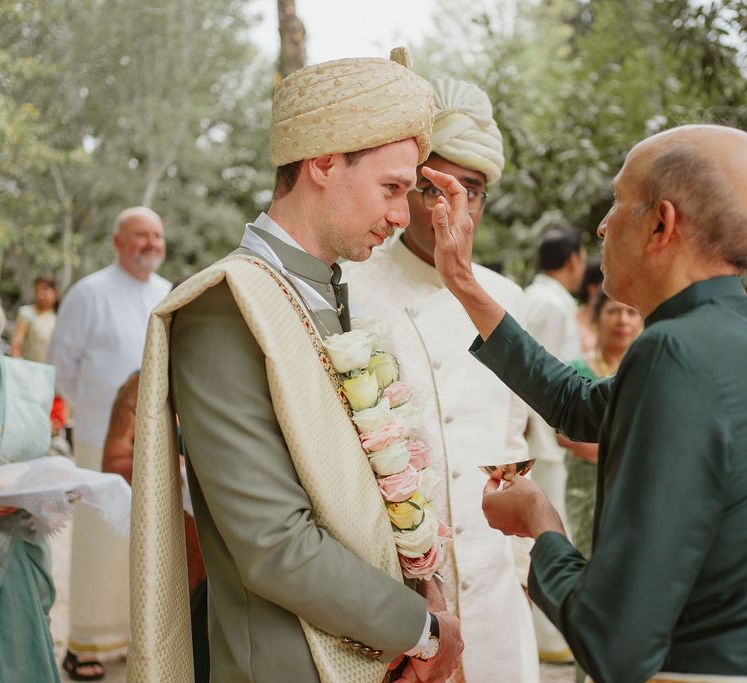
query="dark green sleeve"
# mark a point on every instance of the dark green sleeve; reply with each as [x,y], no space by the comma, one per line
[666,466]
[570,403]
[264,516]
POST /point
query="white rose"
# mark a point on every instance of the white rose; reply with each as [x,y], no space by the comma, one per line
[375,325]
[429,482]
[410,415]
[349,351]
[390,460]
[419,541]
[372,418]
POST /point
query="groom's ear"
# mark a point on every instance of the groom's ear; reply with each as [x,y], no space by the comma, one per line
[320,169]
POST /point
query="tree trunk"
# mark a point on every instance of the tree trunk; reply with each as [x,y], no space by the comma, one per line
[292,38]
[66,202]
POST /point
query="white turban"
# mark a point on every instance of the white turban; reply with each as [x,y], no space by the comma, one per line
[348,105]
[464,131]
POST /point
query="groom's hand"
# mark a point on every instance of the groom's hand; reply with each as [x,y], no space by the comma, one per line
[450,646]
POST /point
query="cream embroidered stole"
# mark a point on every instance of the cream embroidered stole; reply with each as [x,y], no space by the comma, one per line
[323,445]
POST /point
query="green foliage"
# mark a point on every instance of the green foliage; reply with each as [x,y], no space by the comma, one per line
[106,104]
[575,84]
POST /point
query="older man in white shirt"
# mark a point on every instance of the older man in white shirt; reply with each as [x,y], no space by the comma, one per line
[97,343]
[468,419]
[551,320]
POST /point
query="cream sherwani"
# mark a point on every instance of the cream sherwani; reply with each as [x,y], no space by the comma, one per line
[469,419]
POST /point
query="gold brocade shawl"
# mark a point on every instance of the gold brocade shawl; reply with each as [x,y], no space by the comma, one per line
[317,428]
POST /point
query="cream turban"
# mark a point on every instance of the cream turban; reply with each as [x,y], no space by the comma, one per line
[464,131]
[348,105]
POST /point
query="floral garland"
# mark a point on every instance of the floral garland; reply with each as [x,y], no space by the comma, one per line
[386,421]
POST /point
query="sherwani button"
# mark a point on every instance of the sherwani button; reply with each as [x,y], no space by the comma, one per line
[448,419]
[456,474]
[436,365]
[465,585]
[458,530]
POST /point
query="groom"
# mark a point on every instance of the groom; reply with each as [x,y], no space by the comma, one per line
[291,599]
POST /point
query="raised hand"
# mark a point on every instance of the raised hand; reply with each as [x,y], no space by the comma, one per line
[454,233]
[454,230]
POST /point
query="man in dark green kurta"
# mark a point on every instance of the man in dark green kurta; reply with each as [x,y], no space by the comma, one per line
[666,586]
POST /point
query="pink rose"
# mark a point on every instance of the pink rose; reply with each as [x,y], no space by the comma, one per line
[422,567]
[397,488]
[384,436]
[397,393]
[418,454]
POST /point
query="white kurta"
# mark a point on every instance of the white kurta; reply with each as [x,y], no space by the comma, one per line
[551,320]
[98,342]
[469,419]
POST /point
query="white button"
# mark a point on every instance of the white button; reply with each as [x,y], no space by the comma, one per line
[436,364]
[456,474]
[448,419]
[458,530]
[413,312]
[465,585]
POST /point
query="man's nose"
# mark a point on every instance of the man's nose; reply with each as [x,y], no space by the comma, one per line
[399,217]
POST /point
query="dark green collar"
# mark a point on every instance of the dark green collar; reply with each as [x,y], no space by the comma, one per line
[696,294]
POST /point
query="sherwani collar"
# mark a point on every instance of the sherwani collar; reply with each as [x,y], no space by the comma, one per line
[324,279]
[695,295]
[413,265]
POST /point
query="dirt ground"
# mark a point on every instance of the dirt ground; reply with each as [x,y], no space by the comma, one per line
[115,671]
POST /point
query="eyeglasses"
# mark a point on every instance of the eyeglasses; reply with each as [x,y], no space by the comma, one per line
[430,194]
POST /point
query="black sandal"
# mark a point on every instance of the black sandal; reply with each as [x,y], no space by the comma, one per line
[73,666]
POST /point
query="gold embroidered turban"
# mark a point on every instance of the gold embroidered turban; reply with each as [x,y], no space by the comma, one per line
[464,131]
[349,105]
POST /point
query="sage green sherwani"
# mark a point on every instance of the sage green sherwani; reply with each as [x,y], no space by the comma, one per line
[666,585]
[267,561]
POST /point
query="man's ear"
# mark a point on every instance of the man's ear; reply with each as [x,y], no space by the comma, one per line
[664,230]
[319,168]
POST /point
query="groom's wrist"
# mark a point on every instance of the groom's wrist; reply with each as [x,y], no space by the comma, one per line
[427,646]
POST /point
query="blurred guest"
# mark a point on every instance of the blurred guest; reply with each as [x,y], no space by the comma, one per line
[590,285]
[551,319]
[35,322]
[97,343]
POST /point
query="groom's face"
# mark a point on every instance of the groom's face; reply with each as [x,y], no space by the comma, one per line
[367,199]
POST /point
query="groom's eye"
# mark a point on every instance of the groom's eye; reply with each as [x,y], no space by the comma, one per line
[431,191]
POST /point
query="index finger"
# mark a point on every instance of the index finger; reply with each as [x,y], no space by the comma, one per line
[454,191]
[492,486]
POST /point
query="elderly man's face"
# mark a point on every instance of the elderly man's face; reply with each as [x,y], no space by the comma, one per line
[140,246]
[623,233]
[419,236]
[368,200]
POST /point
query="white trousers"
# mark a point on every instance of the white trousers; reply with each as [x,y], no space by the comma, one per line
[99,578]
[665,677]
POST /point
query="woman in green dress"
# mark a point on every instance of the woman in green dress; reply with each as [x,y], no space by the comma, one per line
[617,326]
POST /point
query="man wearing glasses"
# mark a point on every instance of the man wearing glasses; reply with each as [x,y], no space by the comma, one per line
[468,419]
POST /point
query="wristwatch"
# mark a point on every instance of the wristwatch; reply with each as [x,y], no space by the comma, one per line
[431,647]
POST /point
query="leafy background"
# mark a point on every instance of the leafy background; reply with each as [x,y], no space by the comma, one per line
[108,103]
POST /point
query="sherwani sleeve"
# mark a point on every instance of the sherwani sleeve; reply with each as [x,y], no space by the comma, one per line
[568,402]
[263,514]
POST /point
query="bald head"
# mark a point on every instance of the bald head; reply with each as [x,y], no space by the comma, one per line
[138,239]
[702,171]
